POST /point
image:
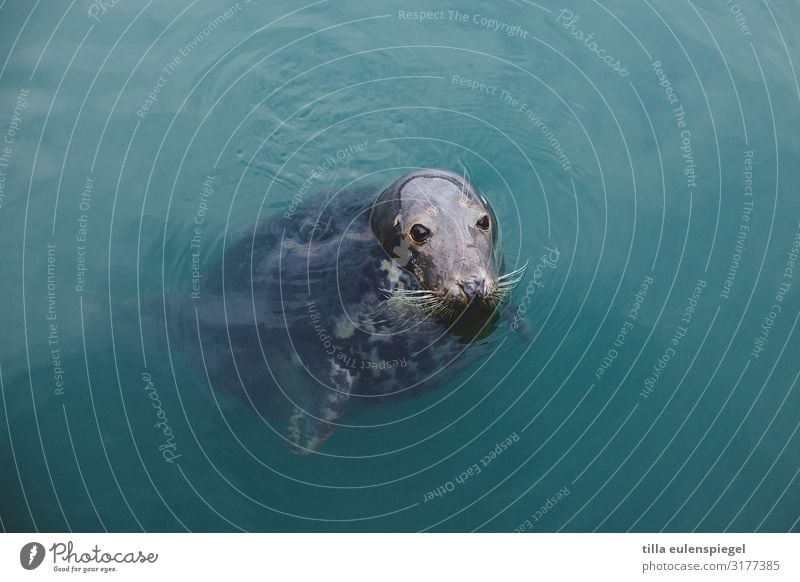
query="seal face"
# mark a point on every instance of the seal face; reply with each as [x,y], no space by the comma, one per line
[439,227]
[356,297]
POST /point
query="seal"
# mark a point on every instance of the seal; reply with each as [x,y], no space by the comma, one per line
[353,296]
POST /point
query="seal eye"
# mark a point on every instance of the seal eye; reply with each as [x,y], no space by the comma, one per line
[483,222]
[419,234]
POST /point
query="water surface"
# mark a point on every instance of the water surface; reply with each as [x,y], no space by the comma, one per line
[642,154]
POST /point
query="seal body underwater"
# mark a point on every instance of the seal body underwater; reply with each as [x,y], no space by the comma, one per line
[353,296]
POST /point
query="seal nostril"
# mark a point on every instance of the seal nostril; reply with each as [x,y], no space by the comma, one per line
[473,288]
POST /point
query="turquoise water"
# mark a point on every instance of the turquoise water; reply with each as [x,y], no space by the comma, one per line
[642,155]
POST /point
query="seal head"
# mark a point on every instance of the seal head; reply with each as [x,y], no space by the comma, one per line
[439,227]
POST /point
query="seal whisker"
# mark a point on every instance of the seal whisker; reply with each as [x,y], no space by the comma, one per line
[515,273]
[427,303]
[501,293]
[508,282]
[508,285]
[405,291]
[415,296]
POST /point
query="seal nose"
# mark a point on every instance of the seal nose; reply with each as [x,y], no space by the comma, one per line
[473,288]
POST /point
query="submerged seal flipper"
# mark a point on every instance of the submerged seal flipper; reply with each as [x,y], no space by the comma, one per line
[313,422]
